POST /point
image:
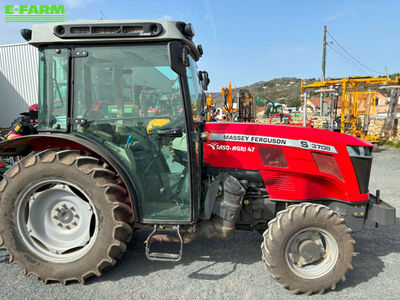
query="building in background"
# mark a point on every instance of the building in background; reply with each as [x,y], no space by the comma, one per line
[382,105]
[18,80]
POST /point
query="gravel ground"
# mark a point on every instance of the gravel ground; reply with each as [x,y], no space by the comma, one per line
[232,268]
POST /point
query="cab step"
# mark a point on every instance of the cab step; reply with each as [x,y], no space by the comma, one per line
[156,236]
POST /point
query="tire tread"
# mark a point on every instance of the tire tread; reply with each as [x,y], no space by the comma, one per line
[104,179]
[274,243]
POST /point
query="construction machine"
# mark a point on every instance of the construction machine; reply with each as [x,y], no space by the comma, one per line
[245,111]
[228,109]
[355,102]
[96,171]
[246,106]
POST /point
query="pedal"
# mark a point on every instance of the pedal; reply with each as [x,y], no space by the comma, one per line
[164,256]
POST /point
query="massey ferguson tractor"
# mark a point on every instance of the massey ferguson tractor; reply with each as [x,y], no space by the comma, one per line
[123,144]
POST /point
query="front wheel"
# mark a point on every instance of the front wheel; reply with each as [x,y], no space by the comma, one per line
[63,215]
[308,248]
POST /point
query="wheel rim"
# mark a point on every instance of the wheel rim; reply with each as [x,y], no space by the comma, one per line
[311,253]
[57,220]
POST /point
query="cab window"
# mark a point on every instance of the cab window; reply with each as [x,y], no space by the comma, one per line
[53,89]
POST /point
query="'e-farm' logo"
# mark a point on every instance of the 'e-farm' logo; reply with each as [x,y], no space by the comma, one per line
[34,13]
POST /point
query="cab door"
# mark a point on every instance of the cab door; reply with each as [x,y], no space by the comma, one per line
[132,103]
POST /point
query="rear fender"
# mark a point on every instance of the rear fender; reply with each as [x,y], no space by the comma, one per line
[24,145]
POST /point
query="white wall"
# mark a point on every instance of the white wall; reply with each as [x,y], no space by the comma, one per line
[18,81]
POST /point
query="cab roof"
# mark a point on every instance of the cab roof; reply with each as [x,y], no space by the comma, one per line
[112,31]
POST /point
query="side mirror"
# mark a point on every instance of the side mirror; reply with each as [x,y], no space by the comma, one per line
[176,51]
[26,34]
[204,79]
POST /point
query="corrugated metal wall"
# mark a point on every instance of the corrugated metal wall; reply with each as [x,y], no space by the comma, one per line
[18,80]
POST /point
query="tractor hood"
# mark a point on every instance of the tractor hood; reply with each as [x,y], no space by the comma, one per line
[296,163]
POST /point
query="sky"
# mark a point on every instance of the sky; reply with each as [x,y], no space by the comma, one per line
[250,41]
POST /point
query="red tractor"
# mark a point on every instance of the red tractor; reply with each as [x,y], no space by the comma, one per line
[91,176]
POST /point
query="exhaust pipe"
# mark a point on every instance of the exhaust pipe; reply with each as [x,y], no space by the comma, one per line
[226,211]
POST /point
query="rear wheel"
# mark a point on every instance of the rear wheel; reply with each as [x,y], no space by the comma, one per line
[308,248]
[63,216]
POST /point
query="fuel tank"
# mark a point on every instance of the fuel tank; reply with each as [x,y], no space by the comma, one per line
[296,163]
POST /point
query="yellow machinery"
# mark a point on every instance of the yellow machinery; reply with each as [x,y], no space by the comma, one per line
[228,109]
[354,102]
[246,111]
[209,109]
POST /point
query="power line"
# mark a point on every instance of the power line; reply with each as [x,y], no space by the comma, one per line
[352,57]
[346,59]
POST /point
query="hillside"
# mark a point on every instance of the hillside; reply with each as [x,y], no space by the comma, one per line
[284,90]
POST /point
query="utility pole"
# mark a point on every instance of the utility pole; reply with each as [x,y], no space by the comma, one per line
[304,96]
[323,72]
[323,55]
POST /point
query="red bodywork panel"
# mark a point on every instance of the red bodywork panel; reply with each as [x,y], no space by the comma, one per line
[290,173]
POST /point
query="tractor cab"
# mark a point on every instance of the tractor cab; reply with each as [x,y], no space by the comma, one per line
[134,89]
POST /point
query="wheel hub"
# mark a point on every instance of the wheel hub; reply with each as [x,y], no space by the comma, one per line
[65,216]
[57,218]
[310,252]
